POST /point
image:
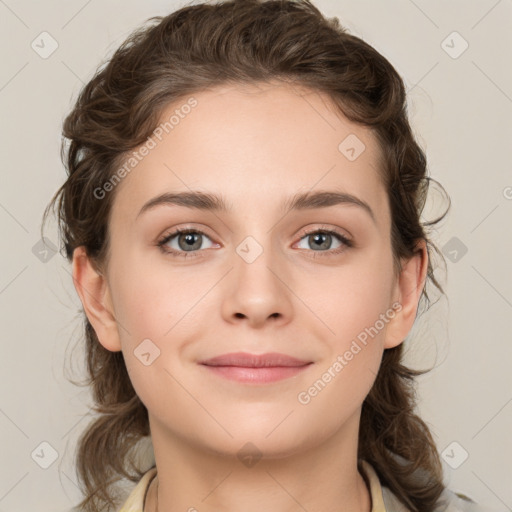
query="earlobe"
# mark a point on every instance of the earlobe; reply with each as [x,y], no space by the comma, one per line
[409,288]
[94,293]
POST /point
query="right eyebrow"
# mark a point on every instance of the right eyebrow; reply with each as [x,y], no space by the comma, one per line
[194,199]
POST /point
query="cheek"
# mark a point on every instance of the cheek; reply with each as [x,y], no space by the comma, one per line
[353,297]
[356,307]
[352,351]
[150,299]
[153,304]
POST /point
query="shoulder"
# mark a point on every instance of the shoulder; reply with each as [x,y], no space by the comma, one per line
[136,495]
[135,501]
[384,500]
[449,501]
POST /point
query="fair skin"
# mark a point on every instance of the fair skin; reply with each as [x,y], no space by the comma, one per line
[256,146]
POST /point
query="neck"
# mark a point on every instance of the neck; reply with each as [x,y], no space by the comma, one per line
[194,479]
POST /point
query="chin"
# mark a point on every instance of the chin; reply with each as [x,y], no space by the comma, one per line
[250,441]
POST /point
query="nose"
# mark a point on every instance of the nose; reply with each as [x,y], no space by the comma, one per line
[258,291]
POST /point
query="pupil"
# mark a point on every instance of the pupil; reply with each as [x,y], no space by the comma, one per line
[189,239]
[318,238]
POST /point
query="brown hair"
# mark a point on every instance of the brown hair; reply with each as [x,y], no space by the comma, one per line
[242,41]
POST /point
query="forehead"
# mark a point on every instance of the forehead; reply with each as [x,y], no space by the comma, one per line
[256,144]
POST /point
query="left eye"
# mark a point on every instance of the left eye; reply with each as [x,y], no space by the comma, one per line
[322,239]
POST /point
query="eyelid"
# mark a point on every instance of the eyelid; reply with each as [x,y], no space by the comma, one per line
[326,229]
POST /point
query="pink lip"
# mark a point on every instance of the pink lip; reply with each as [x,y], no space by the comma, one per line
[254,368]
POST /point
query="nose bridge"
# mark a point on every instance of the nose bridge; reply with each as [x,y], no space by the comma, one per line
[256,261]
[257,290]
[256,246]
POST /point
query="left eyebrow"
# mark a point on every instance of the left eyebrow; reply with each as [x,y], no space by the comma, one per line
[324,199]
[212,202]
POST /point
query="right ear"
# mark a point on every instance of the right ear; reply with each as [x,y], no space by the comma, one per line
[93,290]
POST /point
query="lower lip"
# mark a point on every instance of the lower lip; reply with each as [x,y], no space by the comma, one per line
[257,375]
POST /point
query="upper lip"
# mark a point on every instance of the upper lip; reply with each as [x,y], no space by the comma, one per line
[254,360]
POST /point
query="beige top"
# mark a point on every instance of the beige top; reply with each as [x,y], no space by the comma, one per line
[383,500]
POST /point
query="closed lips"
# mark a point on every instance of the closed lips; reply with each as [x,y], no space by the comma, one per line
[246,360]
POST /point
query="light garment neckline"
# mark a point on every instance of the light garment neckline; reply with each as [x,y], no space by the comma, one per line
[136,499]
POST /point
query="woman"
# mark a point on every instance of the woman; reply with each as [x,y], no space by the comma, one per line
[242,214]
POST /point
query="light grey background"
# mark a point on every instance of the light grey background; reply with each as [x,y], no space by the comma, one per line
[461,110]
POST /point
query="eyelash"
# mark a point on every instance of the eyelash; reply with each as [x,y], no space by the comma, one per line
[192,254]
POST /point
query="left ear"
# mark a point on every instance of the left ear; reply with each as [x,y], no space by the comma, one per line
[409,287]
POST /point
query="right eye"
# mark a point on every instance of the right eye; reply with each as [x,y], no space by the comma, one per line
[187,241]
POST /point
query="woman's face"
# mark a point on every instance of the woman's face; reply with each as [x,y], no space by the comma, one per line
[249,278]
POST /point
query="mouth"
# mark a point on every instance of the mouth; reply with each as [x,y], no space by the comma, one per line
[254,368]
